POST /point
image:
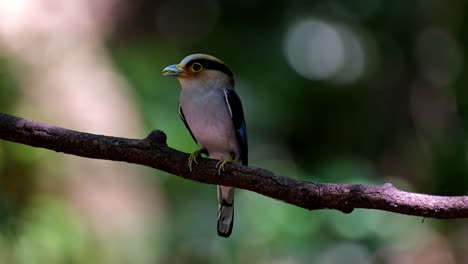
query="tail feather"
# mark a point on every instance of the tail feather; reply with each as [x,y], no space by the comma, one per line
[225,210]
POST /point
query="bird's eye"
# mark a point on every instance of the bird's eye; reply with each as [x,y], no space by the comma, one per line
[196,67]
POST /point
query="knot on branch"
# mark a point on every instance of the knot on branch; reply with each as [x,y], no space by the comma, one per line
[157,137]
[388,186]
[346,210]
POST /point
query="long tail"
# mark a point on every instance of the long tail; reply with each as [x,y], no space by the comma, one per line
[225,210]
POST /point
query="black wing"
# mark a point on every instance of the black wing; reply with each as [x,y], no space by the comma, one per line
[237,114]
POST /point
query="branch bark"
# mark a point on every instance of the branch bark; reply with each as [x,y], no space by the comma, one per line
[153,151]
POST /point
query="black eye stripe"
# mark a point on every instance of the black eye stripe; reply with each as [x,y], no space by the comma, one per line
[212,65]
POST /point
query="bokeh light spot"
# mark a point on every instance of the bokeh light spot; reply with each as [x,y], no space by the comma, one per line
[314,49]
[320,50]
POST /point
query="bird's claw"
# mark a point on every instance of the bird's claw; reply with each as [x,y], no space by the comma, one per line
[221,163]
[193,158]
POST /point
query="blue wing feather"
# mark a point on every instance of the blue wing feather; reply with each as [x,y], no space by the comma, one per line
[237,115]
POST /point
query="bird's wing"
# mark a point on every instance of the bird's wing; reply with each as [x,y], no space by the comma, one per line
[237,115]
[181,114]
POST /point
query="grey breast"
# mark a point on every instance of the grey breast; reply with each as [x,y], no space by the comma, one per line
[208,117]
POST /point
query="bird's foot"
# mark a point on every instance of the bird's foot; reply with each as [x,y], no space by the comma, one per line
[221,163]
[193,158]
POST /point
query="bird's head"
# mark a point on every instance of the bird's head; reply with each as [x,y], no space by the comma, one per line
[201,70]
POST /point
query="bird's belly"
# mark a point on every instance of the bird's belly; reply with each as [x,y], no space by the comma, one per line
[215,140]
[212,127]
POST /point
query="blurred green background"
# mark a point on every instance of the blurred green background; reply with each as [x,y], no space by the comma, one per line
[364,91]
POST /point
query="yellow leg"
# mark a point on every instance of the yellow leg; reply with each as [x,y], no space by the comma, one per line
[193,158]
[221,163]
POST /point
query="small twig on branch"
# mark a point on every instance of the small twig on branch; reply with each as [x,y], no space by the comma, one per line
[154,152]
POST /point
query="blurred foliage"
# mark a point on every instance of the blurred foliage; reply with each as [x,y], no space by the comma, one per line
[402,120]
[16,162]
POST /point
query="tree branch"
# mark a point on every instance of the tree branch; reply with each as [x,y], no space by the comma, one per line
[154,152]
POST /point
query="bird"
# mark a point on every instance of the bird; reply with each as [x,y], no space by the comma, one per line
[212,112]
